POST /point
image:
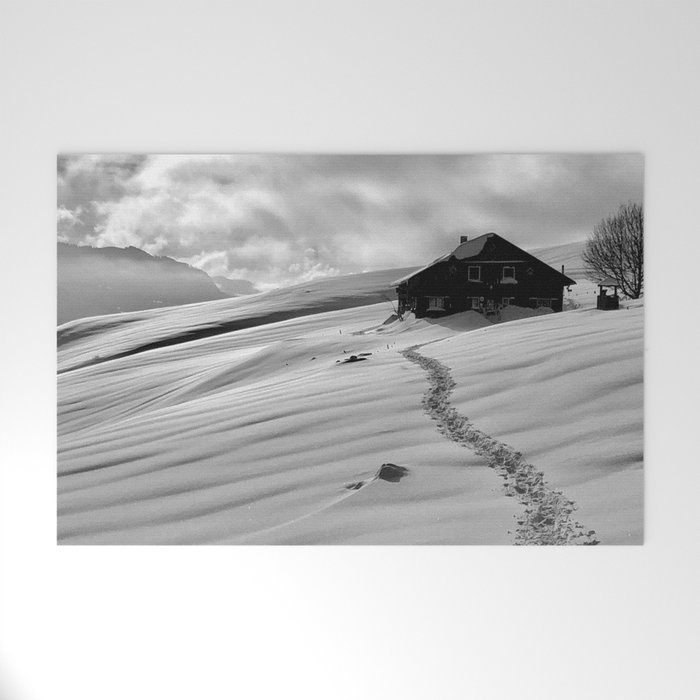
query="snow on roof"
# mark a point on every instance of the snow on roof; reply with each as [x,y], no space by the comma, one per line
[470,249]
[420,269]
[609,282]
[465,250]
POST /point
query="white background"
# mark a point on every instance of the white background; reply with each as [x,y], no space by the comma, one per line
[205,623]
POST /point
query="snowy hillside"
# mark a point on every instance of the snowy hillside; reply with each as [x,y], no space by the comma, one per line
[582,295]
[567,254]
[108,336]
[242,421]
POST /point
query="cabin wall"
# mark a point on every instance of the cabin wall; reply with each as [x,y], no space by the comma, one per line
[450,279]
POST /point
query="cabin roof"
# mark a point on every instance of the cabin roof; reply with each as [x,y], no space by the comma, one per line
[609,282]
[470,249]
[465,250]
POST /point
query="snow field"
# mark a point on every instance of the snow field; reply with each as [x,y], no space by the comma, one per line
[253,435]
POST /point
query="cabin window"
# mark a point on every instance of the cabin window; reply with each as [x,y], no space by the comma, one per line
[436,303]
[473,302]
[537,303]
[507,301]
[508,272]
[474,273]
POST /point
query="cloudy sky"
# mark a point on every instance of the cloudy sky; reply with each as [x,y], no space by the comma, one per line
[278,220]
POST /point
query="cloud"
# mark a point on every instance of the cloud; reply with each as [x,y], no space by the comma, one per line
[278,219]
[67,221]
[85,182]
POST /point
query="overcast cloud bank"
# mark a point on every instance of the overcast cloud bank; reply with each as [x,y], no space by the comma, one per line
[282,219]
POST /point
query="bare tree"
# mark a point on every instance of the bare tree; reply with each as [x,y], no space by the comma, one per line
[616,249]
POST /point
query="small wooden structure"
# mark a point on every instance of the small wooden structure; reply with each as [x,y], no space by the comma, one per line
[607,302]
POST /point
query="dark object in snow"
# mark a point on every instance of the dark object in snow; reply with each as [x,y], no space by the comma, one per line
[484,274]
[352,358]
[605,302]
[387,472]
[391,472]
[355,358]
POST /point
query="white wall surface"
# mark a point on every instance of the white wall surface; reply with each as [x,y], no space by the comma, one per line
[317,623]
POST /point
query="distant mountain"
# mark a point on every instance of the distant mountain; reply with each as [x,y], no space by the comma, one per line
[97,281]
[235,288]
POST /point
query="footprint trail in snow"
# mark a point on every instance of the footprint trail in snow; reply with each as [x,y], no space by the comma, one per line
[548,515]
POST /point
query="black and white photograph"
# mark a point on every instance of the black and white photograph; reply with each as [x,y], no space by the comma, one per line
[350,349]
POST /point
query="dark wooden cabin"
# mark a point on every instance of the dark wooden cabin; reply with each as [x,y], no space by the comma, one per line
[485,274]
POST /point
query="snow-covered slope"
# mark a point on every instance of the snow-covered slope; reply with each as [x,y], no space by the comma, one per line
[104,337]
[567,254]
[566,390]
[583,293]
[254,435]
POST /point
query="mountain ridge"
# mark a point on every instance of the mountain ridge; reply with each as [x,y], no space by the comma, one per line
[101,281]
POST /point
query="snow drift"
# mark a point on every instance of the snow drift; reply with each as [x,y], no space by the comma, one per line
[253,433]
